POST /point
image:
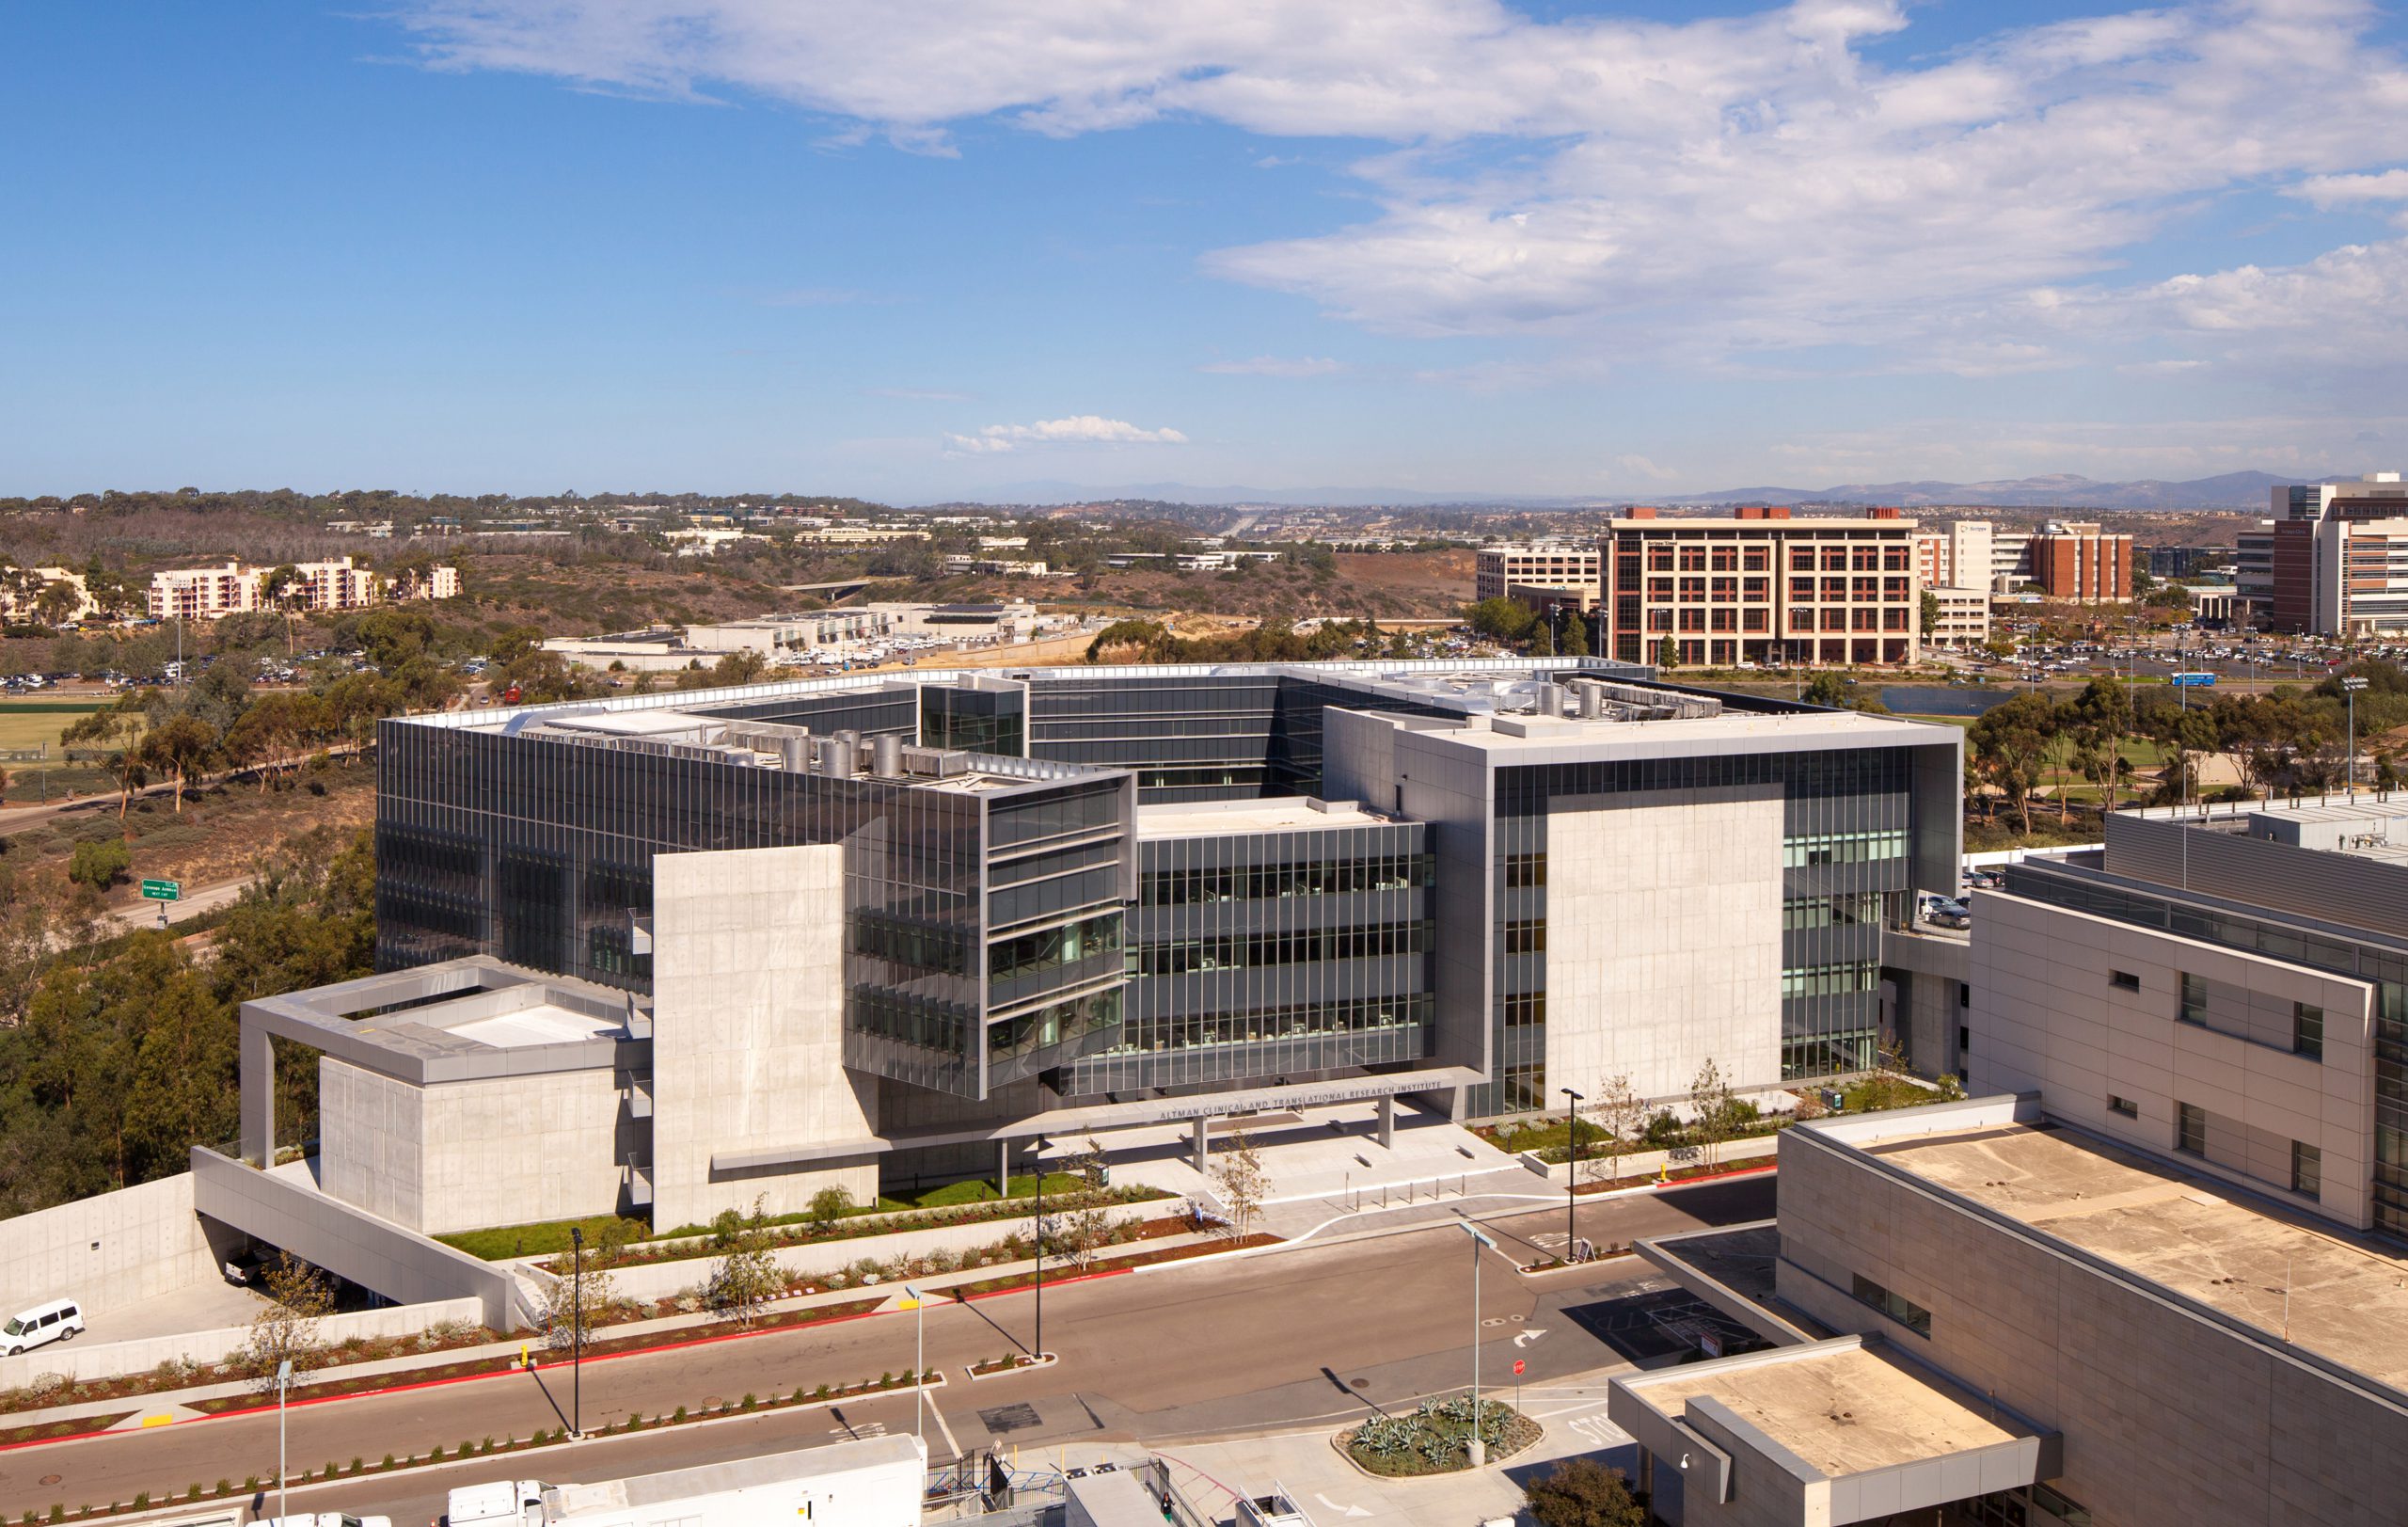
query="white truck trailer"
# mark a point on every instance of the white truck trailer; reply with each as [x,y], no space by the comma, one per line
[874,1482]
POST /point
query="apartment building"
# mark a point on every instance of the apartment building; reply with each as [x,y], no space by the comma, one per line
[21,594]
[2338,557]
[1502,569]
[337,585]
[211,593]
[2084,561]
[1763,586]
[204,593]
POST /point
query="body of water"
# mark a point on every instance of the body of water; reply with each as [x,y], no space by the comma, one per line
[1942,700]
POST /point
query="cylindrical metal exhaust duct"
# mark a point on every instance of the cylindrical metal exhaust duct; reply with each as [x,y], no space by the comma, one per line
[886,752]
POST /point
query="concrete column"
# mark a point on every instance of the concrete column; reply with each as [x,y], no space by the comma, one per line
[257,1062]
[1203,1149]
[1004,1166]
[1388,1122]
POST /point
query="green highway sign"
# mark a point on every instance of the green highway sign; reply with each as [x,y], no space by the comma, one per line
[163,890]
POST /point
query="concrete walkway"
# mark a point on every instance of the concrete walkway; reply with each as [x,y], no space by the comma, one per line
[1334,1493]
[1329,1154]
[703,1324]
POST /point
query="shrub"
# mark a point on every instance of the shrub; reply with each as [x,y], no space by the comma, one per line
[1581,1492]
[250,1483]
[99,863]
[224,1486]
[821,1393]
[388,1463]
[192,1493]
[1664,1131]
[680,1414]
[357,1464]
[748,1402]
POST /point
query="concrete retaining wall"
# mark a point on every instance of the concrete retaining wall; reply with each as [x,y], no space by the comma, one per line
[661,1279]
[1642,1166]
[75,1360]
[106,1251]
[377,1254]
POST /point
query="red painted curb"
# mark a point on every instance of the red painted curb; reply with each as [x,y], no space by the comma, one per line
[540,1367]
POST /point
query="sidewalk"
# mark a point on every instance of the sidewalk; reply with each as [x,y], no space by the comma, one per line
[1333,1491]
[701,1326]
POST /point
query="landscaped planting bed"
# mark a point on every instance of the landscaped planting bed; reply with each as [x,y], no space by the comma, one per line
[1434,1439]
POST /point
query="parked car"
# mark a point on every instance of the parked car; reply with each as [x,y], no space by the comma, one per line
[56,1321]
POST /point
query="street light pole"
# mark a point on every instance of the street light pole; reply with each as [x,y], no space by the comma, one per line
[2350,687]
[1037,1160]
[1479,1450]
[577,1331]
[1572,1184]
[283,1382]
[920,1370]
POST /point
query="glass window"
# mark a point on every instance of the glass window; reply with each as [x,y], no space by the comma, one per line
[2190,1128]
[2123,1106]
[2194,1009]
[2307,1168]
[2124,980]
[2307,1030]
[1896,1306]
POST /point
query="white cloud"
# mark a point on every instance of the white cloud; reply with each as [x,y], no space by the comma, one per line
[1726,191]
[1646,469]
[2330,190]
[1275,366]
[2160,368]
[1082,429]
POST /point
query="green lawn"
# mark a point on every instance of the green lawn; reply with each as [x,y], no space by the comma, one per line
[32,724]
[550,1237]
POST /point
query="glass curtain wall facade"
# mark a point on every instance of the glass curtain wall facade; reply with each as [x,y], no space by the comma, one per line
[1846,829]
[981,929]
[1273,956]
[981,720]
[2382,962]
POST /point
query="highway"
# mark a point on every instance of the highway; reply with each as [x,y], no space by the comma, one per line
[1214,1349]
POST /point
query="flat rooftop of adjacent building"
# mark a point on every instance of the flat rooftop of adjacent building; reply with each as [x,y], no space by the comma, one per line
[1286,814]
[2335,1294]
[1845,1409]
[456,1020]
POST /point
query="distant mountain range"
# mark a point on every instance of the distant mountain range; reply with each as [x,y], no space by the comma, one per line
[2231,490]
[2063,491]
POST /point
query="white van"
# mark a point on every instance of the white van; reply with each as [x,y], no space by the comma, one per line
[41,1325]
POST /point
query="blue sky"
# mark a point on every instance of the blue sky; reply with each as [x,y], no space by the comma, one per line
[927,249]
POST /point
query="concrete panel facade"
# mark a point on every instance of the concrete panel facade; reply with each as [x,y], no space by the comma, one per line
[466,1155]
[2166,1416]
[108,1250]
[748,1018]
[2052,1013]
[287,1212]
[1664,922]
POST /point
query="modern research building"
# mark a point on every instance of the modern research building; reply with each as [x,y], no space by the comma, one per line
[873,926]
[670,954]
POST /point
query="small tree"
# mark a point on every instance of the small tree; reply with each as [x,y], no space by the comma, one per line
[1582,1492]
[1622,1113]
[99,863]
[1087,1228]
[829,1205]
[591,1294]
[1240,1178]
[745,1276]
[1710,1097]
[1666,655]
[299,1296]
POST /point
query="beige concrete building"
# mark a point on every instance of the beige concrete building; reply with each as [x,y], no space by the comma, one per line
[1964,617]
[2231,992]
[1576,569]
[1983,1315]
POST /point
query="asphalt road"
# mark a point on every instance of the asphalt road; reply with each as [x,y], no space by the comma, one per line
[1215,1350]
